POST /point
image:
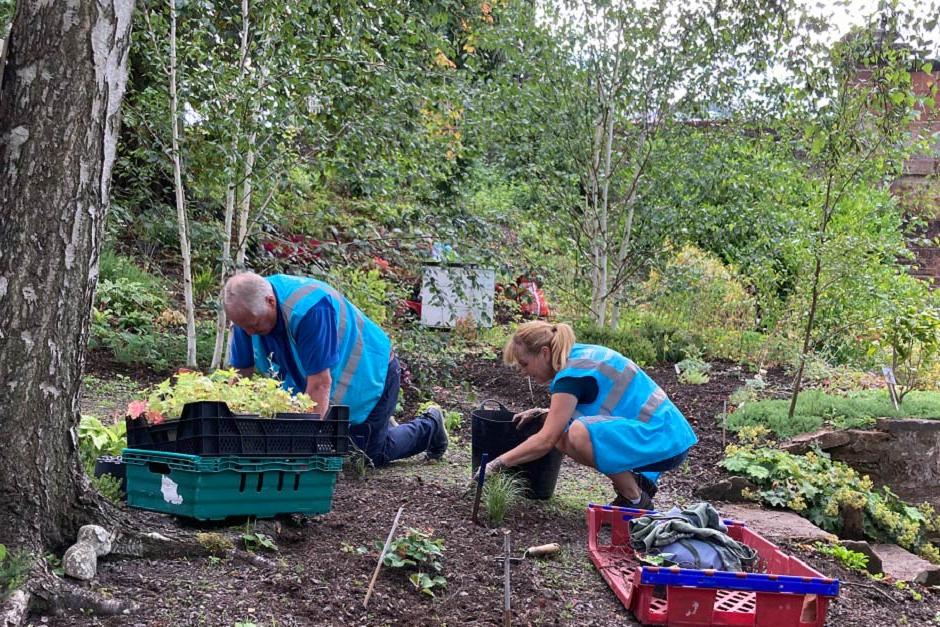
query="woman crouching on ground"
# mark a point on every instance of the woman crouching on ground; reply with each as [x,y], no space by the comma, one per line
[605,412]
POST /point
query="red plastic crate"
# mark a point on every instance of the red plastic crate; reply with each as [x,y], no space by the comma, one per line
[785,592]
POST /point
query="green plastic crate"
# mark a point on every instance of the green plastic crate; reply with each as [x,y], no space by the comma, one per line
[212,488]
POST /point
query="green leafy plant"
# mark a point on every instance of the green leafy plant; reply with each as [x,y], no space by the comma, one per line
[367,290]
[500,492]
[452,420]
[96,439]
[852,560]
[693,369]
[108,486]
[417,550]
[257,395]
[817,487]
[13,569]
[255,540]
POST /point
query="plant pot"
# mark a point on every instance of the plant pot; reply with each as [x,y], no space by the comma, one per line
[494,433]
[114,466]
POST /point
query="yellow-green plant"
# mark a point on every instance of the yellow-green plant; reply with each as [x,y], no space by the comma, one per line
[817,487]
[256,395]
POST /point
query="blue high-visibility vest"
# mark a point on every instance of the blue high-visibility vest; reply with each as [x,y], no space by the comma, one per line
[364,349]
[657,429]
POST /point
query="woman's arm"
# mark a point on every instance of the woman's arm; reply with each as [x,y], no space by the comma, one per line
[559,413]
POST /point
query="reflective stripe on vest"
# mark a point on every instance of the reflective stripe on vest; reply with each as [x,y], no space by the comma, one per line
[620,381]
[355,355]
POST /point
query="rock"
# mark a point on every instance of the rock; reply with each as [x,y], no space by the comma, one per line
[81,561]
[96,536]
[824,438]
[852,526]
[727,490]
[776,524]
[906,566]
[874,561]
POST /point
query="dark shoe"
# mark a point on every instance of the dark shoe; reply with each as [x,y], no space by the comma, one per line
[439,439]
[645,501]
[645,484]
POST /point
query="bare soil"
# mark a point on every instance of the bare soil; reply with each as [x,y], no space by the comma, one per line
[317,578]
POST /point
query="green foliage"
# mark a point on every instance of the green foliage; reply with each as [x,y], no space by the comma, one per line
[96,439]
[255,540]
[630,343]
[500,492]
[816,487]
[418,551]
[14,567]
[116,268]
[108,486]
[256,395]
[693,369]
[128,305]
[452,420]
[367,290]
[815,407]
[695,290]
[853,560]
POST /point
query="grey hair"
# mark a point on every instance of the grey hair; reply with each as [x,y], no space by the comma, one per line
[246,291]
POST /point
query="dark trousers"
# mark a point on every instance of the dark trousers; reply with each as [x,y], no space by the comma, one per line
[384,444]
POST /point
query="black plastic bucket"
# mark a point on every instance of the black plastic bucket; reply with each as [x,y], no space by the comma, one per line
[494,433]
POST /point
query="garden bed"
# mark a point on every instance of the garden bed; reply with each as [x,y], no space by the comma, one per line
[314,581]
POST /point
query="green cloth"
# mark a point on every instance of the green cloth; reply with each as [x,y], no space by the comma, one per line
[699,522]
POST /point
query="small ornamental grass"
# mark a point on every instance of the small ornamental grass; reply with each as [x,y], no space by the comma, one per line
[500,492]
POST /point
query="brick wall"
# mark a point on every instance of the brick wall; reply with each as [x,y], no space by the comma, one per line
[919,188]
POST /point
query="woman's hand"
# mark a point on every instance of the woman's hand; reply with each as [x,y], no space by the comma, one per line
[528,415]
[494,465]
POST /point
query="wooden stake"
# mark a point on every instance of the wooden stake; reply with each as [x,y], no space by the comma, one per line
[507,609]
[388,541]
[724,420]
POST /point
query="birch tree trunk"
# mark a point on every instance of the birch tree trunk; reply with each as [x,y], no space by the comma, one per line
[64,80]
[221,324]
[181,214]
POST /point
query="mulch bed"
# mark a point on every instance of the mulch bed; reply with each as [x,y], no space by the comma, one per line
[317,577]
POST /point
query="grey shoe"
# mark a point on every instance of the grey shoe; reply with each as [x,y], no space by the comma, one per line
[439,440]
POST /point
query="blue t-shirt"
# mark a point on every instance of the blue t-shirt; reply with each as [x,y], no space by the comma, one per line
[317,344]
[582,388]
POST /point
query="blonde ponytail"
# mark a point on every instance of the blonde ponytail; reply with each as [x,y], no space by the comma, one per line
[532,336]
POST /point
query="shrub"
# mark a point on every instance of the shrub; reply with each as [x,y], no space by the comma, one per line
[629,343]
[96,439]
[367,290]
[697,291]
[14,567]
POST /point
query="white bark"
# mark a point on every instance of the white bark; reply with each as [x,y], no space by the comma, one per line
[181,214]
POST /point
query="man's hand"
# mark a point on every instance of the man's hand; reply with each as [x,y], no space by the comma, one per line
[494,465]
[528,415]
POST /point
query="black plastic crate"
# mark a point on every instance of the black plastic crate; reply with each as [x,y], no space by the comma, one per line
[208,428]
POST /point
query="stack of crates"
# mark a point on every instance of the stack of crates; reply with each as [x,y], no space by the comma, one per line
[211,464]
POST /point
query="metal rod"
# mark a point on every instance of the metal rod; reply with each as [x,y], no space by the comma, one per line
[388,541]
[507,609]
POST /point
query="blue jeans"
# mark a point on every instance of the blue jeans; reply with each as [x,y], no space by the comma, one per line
[384,444]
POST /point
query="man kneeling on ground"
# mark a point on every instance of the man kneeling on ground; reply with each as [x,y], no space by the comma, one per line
[308,335]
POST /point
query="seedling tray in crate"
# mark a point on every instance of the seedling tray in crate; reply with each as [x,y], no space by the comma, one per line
[213,488]
[786,593]
[210,429]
